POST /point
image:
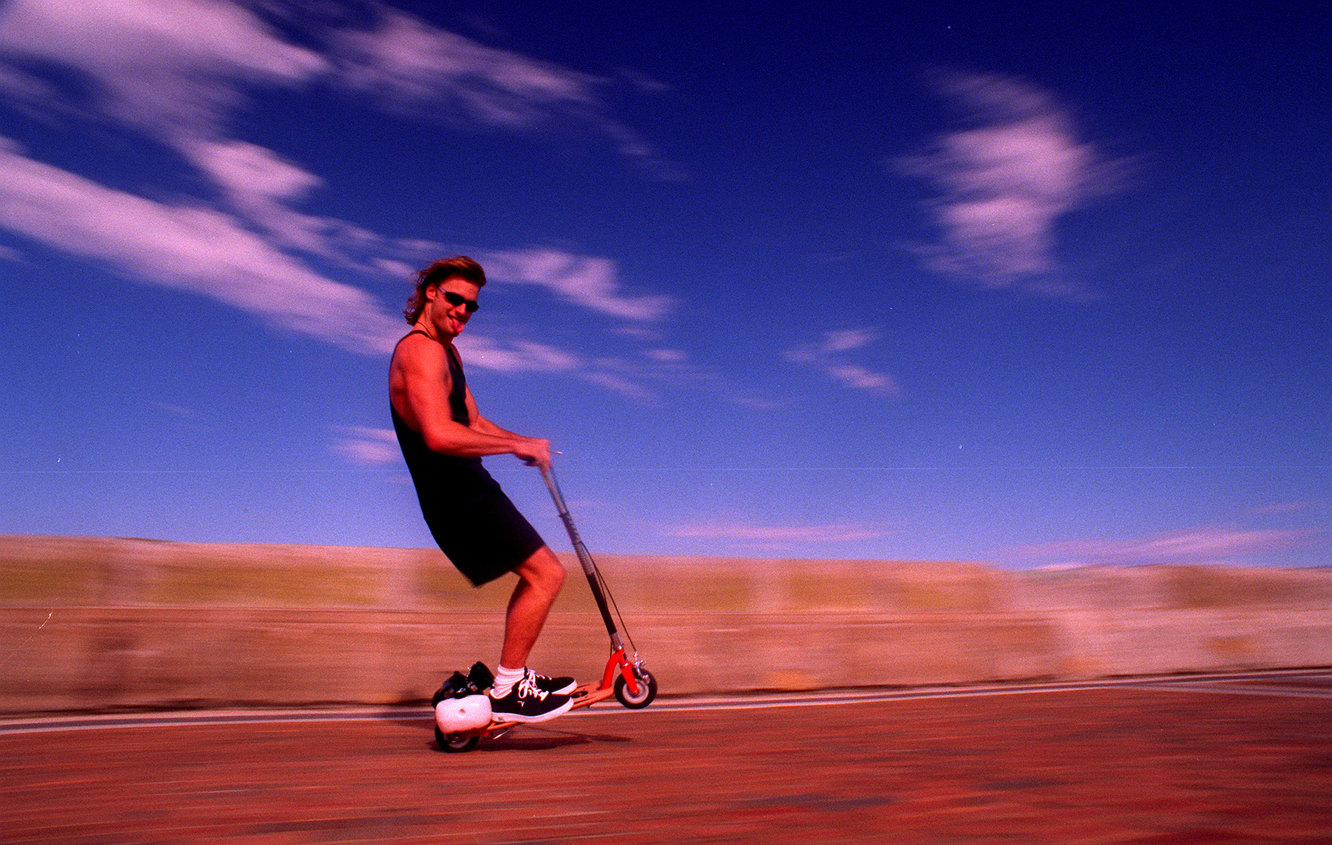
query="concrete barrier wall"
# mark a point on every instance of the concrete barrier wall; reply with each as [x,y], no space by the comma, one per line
[93,624]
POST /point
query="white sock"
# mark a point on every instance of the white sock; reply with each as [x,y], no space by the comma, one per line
[505,678]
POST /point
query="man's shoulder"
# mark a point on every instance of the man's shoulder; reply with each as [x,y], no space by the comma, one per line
[420,354]
[416,343]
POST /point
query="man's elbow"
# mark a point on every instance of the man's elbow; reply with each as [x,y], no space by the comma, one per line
[440,442]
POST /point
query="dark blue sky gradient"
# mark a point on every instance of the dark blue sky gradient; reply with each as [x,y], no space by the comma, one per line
[1037,287]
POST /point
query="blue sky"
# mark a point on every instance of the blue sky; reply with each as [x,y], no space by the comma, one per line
[972,282]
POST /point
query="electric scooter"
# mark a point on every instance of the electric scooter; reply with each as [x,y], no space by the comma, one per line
[461,723]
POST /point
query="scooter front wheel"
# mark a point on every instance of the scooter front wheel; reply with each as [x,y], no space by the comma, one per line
[647,690]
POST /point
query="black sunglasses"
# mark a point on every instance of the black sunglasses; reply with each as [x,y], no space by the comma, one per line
[456,299]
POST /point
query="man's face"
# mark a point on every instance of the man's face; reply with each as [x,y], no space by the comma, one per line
[452,303]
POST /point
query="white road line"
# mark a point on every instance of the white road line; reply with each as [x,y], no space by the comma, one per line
[1221,689]
[1224,684]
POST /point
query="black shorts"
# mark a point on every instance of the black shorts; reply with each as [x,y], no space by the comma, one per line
[486,537]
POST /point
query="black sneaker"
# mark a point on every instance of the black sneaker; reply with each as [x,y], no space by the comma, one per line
[480,677]
[455,687]
[560,686]
[527,702]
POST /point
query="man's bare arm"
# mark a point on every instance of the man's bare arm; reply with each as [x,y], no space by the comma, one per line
[419,386]
[483,425]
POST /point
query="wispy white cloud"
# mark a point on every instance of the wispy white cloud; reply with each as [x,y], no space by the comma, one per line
[265,189]
[588,281]
[179,69]
[182,413]
[188,247]
[177,72]
[517,356]
[406,63]
[1298,506]
[1004,182]
[646,378]
[628,387]
[414,68]
[253,177]
[676,369]
[215,254]
[168,67]
[180,72]
[1211,544]
[642,380]
[776,534]
[364,446]
[829,353]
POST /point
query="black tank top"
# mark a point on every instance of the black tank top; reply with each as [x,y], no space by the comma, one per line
[458,382]
[442,481]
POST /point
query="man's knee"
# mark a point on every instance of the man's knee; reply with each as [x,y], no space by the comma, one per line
[543,571]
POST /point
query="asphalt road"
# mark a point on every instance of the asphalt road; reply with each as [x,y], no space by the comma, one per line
[1217,759]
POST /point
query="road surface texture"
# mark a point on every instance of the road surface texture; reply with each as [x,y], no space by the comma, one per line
[1211,759]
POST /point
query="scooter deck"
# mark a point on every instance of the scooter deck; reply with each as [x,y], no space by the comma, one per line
[584,696]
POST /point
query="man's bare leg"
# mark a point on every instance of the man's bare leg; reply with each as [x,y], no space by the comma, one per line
[539,580]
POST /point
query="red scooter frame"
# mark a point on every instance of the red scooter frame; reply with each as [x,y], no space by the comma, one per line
[632,683]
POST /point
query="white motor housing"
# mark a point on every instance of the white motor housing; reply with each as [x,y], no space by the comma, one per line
[454,715]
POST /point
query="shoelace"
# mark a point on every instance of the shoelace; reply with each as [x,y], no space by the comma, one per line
[527,687]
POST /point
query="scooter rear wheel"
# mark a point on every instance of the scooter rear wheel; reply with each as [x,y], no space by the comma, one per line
[453,743]
[647,690]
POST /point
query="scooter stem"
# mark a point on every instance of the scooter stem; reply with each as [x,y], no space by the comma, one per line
[584,557]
